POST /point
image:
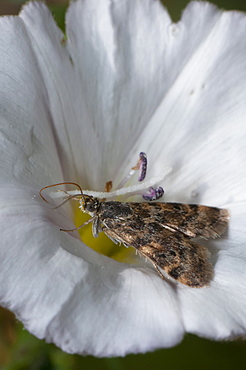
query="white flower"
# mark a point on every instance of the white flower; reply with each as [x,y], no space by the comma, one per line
[81,109]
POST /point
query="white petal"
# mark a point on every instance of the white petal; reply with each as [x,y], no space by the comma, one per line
[63,101]
[37,280]
[26,139]
[199,127]
[90,304]
[117,70]
[119,311]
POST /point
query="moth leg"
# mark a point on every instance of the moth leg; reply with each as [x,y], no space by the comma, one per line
[77,228]
[115,241]
[96,227]
[109,235]
[158,270]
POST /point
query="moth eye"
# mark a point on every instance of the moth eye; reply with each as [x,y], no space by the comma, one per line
[91,207]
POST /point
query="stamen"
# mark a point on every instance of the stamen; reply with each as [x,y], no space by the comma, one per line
[149,190]
[108,186]
[154,193]
[141,166]
[129,190]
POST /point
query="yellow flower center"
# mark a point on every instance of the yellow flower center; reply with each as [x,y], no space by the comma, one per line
[102,244]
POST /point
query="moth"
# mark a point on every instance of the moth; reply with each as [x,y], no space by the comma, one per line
[161,232]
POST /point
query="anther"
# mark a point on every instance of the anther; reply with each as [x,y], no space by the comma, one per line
[141,166]
[154,193]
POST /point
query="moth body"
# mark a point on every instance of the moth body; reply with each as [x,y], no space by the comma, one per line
[163,233]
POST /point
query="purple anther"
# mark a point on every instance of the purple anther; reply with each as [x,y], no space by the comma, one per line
[154,194]
[142,166]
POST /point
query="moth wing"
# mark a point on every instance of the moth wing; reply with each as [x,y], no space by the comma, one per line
[181,258]
[191,220]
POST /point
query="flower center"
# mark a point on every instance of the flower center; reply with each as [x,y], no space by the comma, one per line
[89,220]
[102,244]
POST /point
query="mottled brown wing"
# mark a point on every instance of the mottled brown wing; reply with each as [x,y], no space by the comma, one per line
[181,258]
[192,220]
[162,232]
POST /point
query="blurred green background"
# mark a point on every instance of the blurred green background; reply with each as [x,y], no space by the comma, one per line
[19,350]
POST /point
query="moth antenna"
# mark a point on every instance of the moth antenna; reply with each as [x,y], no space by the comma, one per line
[79,227]
[69,198]
[59,183]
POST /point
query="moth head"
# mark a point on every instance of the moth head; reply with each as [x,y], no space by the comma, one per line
[89,204]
